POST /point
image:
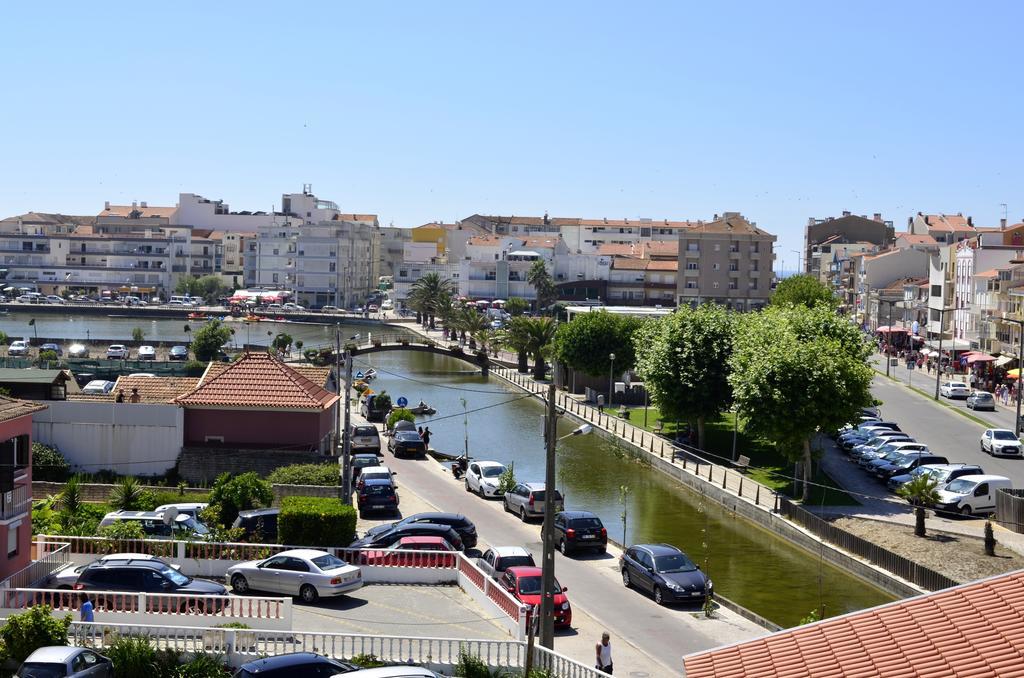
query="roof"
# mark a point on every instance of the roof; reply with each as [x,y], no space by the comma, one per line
[12,408]
[258,381]
[948,222]
[918,239]
[154,389]
[729,223]
[658,549]
[629,263]
[356,217]
[484,240]
[975,629]
[144,211]
[991,273]
[525,571]
[31,375]
[663,265]
[318,375]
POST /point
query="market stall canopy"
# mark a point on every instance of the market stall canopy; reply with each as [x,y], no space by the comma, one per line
[885,329]
[950,344]
[1004,360]
[979,358]
[1014,373]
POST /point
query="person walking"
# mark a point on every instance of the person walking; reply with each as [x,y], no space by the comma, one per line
[426,438]
[604,654]
[85,609]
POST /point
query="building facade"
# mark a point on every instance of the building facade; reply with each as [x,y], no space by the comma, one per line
[16,483]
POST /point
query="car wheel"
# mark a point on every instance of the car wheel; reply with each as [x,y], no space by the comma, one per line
[480,491]
[468,488]
[563,547]
[504,505]
[658,598]
[308,593]
[522,514]
[239,584]
[625,579]
[966,511]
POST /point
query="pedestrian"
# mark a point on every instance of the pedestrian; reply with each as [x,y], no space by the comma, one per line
[85,609]
[135,397]
[426,437]
[603,650]
[420,431]
[120,396]
[600,403]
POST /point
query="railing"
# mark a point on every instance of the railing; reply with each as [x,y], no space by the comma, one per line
[21,502]
[50,557]
[1010,509]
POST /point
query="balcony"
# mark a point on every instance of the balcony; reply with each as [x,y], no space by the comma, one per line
[692,253]
[734,254]
[16,502]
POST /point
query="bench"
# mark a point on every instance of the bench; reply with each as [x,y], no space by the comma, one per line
[623,412]
[659,426]
[743,463]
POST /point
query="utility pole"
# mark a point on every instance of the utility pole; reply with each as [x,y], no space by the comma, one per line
[938,358]
[346,450]
[547,602]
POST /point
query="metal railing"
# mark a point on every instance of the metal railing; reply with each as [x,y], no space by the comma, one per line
[236,607]
[1010,509]
[50,557]
[20,502]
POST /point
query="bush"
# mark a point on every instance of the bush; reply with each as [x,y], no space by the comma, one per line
[400,414]
[25,633]
[48,356]
[203,665]
[195,368]
[128,495]
[48,463]
[133,657]
[507,479]
[138,335]
[366,661]
[122,530]
[470,666]
[232,494]
[316,521]
[306,474]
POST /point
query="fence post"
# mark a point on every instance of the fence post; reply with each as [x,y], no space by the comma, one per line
[180,550]
[710,470]
[741,485]
[757,495]
[725,477]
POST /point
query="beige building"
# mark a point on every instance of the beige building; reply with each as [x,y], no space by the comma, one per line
[727,261]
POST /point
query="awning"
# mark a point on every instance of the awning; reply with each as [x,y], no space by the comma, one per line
[1004,360]
[980,358]
[885,329]
[950,344]
[926,351]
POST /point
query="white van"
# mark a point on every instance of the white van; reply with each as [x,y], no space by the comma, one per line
[968,495]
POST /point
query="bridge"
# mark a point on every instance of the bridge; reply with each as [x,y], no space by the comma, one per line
[378,343]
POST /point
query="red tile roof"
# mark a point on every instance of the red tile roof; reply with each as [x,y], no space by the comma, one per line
[12,408]
[971,630]
[257,381]
[917,239]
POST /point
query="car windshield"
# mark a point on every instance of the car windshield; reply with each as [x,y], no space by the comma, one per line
[491,471]
[377,489]
[328,562]
[961,486]
[365,431]
[516,561]
[676,562]
[176,577]
[1003,435]
[531,586]
[41,670]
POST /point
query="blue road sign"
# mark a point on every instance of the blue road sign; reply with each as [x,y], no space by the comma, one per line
[402,402]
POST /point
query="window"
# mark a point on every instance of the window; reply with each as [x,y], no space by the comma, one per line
[12,539]
[715,267]
[692,247]
[718,247]
[275,278]
[936,290]
[734,247]
[692,266]
[733,285]
[715,285]
[753,284]
[734,266]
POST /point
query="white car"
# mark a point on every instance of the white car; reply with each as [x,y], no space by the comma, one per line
[306,573]
[54,299]
[483,478]
[955,389]
[1001,442]
[66,660]
[387,305]
[98,387]
[18,347]
[117,352]
[147,353]
[187,508]
[293,307]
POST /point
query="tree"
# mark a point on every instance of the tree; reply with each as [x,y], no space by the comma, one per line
[127,495]
[209,287]
[231,494]
[803,290]
[24,633]
[543,283]
[920,491]
[427,295]
[683,359]
[515,337]
[796,371]
[586,342]
[138,335]
[539,333]
[469,322]
[282,342]
[208,339]
[48,463]
[515,306]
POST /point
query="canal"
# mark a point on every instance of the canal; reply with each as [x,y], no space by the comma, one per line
[748,565]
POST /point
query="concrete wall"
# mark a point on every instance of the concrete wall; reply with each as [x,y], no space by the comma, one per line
[100,492]
[140,439]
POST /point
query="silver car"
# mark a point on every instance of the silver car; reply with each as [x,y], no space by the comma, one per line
[306,573]
[527,500]
[62,660]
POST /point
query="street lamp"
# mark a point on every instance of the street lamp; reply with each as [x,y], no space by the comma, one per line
[611,378]
[938,362]
[799,256]
[888,338]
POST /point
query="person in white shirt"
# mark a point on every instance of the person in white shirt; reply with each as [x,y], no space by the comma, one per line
[604,654]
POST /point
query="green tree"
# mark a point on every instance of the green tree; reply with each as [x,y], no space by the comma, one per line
[208,339]
[920,491]
[796,371]
[804,290]
[400,414]
[234,493]
[543,283]
[128,495]
[515,337]
[539,333]
[138,335]
[516,306]
[188,286]
[683,359]
[24,633]
[48,463]
[282,342]
[586,342]
[427,295]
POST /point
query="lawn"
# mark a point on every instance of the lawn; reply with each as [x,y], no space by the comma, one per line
[767,465]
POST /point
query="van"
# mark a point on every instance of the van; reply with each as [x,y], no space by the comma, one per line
[969,495]
[153,525]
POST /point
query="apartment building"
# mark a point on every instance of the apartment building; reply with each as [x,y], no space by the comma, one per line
[822,236]
[642,274]
[881,271]
[232,260]
[584,236]
[726,261]
[392,248]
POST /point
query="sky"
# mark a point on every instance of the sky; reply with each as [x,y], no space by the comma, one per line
[435,111]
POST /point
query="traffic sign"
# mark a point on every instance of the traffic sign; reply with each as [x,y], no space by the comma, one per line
[402,402]
[910,364]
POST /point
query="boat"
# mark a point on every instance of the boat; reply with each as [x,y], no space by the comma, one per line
[367,375]
[197,316]
[423,409]
[253,318]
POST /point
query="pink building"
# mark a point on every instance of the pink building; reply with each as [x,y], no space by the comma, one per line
[16,483]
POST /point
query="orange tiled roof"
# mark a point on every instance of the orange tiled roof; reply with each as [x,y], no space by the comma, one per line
[484,240]
[540,241]
[663,265]
[12,408]
[155,389]
[629,264]
[917,239]
[948,222]
[144,212]
[991,273]
[976,629]
[372,218]
[257,381]
[317,375]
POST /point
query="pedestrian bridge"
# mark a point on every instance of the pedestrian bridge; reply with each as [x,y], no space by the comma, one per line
[378,343]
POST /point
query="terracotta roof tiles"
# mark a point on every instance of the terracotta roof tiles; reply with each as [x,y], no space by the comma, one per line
[257,381]
[155,389]
[12,408]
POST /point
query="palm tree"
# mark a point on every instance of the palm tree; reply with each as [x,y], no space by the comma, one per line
[428,294]
[127,495]
[920,491]
[485,338]
[542,282]
[471,322]
[515,338]
[539,333]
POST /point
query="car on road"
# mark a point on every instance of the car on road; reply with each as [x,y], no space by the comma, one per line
[462,525]
[406,444]
[497,559]
[482,477]
[259,524]
[55,299]
[290,306]
[524,583]
[49,346]
[117,352]
[78,351]
[1000,442]
[527,500]
[68,577]
[146,576]
[665,572]
[578,531]
[971,495]
[362,460]
[178,353]
[981,400]
[954,390]
[59,661]
[940,473]
[98,387]
[18,347]
[394,556]
[391,534]
[330,309]
[306,573]
[147,352]
[376,495]
[907,462]
[294,665]
[365,437]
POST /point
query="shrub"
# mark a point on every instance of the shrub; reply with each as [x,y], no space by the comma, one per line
[48,356]
[383,402]
[305,474]
[366,661]
[48,463]
[133,657]
[195,368]
[203,665]
[316,521]
[232,494]
[138,335]
[25,633]
[400,414]
[507,479]
[122,530]
[128,495]
[470,666]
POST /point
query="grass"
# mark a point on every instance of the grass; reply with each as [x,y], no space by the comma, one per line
[768,466]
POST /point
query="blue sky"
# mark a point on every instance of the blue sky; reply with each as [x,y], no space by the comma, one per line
[425,111]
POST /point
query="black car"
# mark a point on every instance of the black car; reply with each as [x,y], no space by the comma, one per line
[258,523]
[460,523]
[907,463]
[407,443]
[362,460]
[294,665]
[178,353]
[392,533]
[147,576]
[577,530]
[666,572]
[377,494]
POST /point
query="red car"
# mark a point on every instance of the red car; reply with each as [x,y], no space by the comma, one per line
[394,557]
[525,584]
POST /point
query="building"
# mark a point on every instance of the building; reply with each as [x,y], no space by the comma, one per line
[16,483]
[642,274]
[232,245]
[35,384]
[889,271]
[392,249]
[945,229]
[497,267]
[584,236]
[726,261]
[822,235]
[199,212]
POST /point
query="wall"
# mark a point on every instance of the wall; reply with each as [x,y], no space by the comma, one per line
[13,428]
[257,427]
[141,439]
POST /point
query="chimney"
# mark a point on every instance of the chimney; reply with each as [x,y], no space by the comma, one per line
[878,216]
[846,213]
[143,204]
[106,205]
[1002,224]
[134,204]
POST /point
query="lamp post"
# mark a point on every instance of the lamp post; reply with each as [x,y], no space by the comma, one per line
[888,338]
[799,256]
[938,361]
[611,378]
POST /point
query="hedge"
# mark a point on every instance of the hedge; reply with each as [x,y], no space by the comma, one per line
[316,521]
[306,474]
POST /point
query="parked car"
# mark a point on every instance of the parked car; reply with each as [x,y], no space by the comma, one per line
[56,661]
[376,494]
[400,671]
[970,495]
[374,473]
[153,524]
[49,346]
[579,530]
[1001,442]
[406,444]
[289,306]
[981,400]
[482,478]
[392,557]
[68,577]
[907,462]
[294,665]
[527,501]
[460,523]
[362,460]
[954,390]
[365,437]
[78,351]
[387,305]
[666,572]
[392,533]
[258,523]
[874,444]
[178,353]
[370,409]
[55,299]
[889,452]
[146,576]
[18,348]
[117,352]
[306,573]
[497,559]
[185,508]
[146,352]
[940,473]
[98,387]
[524,583]
[330,309]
